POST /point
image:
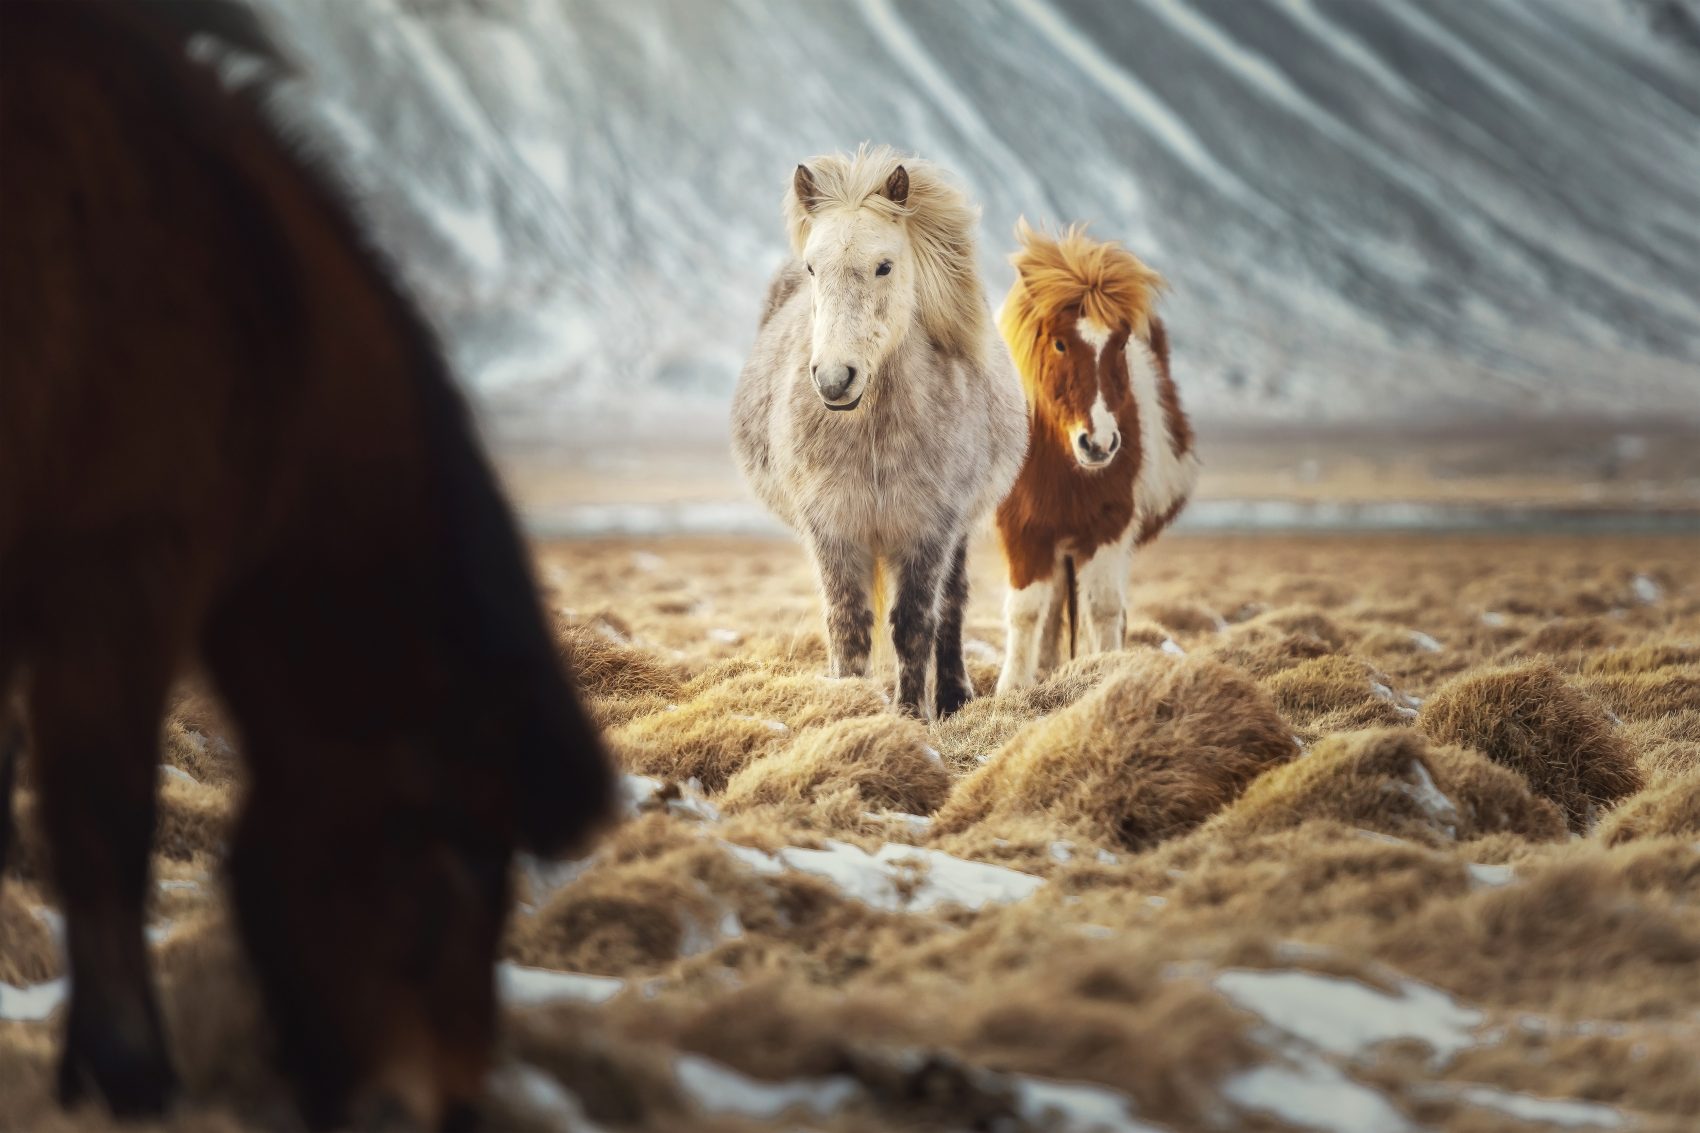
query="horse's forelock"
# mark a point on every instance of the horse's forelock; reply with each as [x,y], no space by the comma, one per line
[940,221]
[1100,280]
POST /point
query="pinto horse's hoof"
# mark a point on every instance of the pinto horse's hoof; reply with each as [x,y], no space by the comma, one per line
[134,1080]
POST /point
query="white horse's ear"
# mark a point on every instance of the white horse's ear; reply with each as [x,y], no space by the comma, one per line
[897,185]
[803,184]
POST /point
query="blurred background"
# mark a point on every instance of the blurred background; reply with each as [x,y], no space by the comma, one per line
[1433,263]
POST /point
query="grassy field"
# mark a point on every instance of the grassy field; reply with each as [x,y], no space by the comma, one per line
[1357,834]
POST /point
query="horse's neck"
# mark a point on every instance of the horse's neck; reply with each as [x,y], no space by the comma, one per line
[916,369]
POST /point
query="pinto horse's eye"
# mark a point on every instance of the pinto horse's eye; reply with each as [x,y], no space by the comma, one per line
[1062,347]
[884,268]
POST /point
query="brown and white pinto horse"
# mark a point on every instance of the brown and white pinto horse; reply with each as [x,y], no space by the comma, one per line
[1110,462]
[226,437]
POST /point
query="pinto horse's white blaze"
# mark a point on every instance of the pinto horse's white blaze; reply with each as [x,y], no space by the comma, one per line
[1099,438]
[1094,334]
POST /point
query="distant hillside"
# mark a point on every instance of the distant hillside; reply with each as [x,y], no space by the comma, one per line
[1370,210]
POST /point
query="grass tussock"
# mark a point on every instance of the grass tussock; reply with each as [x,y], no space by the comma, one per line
[687,743]
[884,760]
[1647,695]
[1645,658]
[1335,693]
[1530,719]
[1568,939]
[605,666]
[1263,653]
[1395,782]
[798,701]
[193,823]
[1150,754]
[984,724]
[30,955]
[1667,809]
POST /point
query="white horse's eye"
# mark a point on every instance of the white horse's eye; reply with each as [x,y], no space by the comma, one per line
[811,268]
[884,268]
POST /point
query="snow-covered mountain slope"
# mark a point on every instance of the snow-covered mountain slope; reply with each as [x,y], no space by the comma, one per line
[1368,209]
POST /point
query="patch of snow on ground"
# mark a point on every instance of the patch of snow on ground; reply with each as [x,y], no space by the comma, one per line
[939,879]
[981,650]
[725,636]
[1424,642]
[171,772]
[1344,1017]
[1646,590]
[716,1088]
[1169,646]
[1062,851]
[1071,1106]
[1314,1095]
[915,822]
[1493,618]
[637,790]
[1490,876]
[34,1003]
[1552,1111]
[520,986]
[647,561]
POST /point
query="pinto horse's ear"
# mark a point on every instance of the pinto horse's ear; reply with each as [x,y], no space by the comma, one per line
[897,185]
[803,184]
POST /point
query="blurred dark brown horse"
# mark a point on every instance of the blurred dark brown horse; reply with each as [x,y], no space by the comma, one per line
[227,438]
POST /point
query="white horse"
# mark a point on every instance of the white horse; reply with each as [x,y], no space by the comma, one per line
[879,414]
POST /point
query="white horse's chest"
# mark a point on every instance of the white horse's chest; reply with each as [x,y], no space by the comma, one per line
[880,480]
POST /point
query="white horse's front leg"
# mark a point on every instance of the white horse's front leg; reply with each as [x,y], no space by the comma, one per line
[1024,614]
[1103,583]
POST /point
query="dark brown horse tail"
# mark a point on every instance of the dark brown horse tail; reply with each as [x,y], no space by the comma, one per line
[11,743]
[1073,602]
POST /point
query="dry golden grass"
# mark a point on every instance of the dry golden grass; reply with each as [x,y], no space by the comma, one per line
[884,760]
[1149,754]
[1531,719]
[1667,809]
[1395,782]
[1173,826]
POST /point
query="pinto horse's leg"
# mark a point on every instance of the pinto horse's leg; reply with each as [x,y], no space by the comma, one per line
[845,571]
[1103,595]
[1025,613]
[915,621]
[951,686]
[96,697]
[1052,652]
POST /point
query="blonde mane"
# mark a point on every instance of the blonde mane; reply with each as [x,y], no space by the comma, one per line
[1109,284]
[940,222]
